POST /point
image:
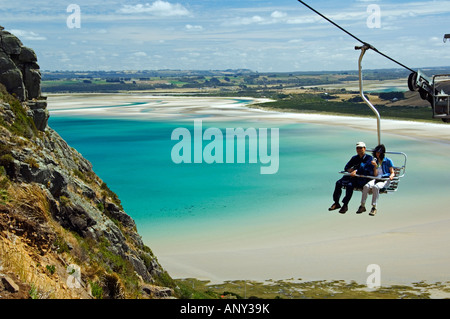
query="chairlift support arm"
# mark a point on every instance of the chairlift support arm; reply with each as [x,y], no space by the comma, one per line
[363,49]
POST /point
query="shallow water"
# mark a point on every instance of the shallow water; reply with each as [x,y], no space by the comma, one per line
[179,206]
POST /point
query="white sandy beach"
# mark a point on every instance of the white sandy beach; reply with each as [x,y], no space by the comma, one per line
[219,109]
[409,242]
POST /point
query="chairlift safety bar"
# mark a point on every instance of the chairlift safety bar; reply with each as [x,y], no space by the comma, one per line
[401,169]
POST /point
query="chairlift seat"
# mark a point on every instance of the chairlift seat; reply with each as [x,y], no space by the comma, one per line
[399,172]
[434,90]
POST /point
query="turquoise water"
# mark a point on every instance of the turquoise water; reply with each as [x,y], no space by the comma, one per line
[165,199]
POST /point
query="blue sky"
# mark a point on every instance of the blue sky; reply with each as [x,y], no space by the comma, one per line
[260,35]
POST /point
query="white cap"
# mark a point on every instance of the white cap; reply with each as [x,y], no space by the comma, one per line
[360,144]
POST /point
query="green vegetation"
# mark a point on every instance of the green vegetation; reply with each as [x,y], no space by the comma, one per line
[6,160]
[34,293]
[191,288]
[4,198]
[107,192]
[96,290]
[65,201]
[51,269]
[311,92]
[23,125]
[61,245]
[4,182]
[101,207]
[87,177]
[32,162]
[313,103]
[221,80]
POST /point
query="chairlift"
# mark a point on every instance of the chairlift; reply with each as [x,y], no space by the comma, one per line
[431,90]
[446,36]
[435,90]
[398,170]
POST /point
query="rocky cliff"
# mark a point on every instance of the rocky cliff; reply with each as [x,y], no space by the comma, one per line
[20,74]
[63,232]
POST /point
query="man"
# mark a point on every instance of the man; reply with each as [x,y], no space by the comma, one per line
[359,164]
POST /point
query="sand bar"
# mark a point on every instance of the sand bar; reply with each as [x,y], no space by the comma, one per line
[157,107]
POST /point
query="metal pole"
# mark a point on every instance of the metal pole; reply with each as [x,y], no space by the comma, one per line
[363,49]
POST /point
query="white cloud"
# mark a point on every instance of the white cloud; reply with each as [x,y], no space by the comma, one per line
[278,14]
[28,35]
[245,21]
[139,54]
[190,27]
[157,8]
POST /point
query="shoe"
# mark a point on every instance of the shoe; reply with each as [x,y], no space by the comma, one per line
[373,211]
[361,209]
[344,209]
[334,206]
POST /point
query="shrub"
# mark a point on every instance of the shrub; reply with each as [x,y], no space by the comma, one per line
[96,290]
[109,193]
[23,124]
[113,287]
[65,201]
[51,269]
[34,293]
[3,181]
[3,197]
[32,162]
[101,207]
[5,149]
[61,245]
[6,160]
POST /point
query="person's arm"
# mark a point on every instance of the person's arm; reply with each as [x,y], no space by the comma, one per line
[374,163]
[391,170]
[349,167]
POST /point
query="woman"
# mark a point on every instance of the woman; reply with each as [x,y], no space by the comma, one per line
[383,167]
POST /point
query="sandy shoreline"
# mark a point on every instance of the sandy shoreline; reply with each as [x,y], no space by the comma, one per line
[329,248]
[412,129]
[419,253]
[162,107]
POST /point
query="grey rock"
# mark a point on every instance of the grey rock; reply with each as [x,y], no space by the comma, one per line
[10,43]
[13,81]
[114,211]
[58,184]
[158,292]
[6,63]
[40,118]
[86,191]
[165,292]
[36,105]
[10,285]
[7,113]
[75,218]
[27,55]
[21,75]
[139,267]
[32,81]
